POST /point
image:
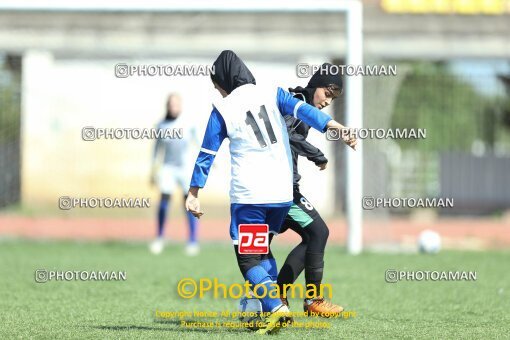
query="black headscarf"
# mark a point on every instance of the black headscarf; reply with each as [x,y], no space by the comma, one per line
[323,77]
[230,72]
[326,75]
[169,116]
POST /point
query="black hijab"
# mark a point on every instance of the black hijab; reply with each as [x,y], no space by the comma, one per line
[169,116]
[230,72]
[325,76]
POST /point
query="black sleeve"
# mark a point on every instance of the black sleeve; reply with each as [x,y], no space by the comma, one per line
[299,145]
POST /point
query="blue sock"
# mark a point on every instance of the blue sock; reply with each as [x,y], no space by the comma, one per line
[193,224]
[163,205]
[270,267]
[257,275]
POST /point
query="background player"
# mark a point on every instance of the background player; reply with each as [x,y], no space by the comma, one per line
[323,87]
[175,170]
[261,163]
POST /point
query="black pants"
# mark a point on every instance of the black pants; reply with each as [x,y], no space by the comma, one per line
[309,254]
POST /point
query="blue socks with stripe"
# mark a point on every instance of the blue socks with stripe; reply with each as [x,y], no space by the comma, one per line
[269,266]
[259,276]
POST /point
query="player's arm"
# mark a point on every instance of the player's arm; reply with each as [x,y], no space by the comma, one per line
[288,105]
[215,133]
[302,147]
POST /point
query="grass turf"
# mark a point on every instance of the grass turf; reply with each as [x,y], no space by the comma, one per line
[124,310]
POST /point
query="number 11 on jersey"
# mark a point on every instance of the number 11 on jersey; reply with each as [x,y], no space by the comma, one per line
[250,120]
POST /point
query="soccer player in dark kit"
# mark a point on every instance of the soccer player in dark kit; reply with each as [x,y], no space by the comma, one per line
[324,86]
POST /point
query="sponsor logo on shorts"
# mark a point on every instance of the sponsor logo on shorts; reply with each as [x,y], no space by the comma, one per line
[253,239]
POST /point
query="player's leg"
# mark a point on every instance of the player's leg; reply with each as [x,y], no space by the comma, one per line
[268,262]
[164,202]
[295,262]
[317,233]
[156,247]
[280,315]
[314,268]
[192,248]
[275,218]
[250,264]
[297,220]
[166,185]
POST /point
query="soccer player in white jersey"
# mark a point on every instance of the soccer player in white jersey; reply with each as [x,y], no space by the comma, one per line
[175,170]
[261,165]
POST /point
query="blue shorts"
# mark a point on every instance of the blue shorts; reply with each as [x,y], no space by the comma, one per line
[271,214]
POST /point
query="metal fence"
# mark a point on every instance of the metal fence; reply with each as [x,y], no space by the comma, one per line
[10,118]
[466,119]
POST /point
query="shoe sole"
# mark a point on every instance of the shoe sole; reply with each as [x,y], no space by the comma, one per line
[275,329]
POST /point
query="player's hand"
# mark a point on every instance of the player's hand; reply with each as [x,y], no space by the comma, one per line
[322,166]
[348,135]
[193,204]
[349,138]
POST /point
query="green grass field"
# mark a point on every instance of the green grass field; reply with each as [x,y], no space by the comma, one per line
[124,310]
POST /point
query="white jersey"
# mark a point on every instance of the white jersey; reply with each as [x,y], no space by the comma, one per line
[261,160]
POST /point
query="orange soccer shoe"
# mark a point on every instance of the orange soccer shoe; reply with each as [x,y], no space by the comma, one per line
[320,307]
